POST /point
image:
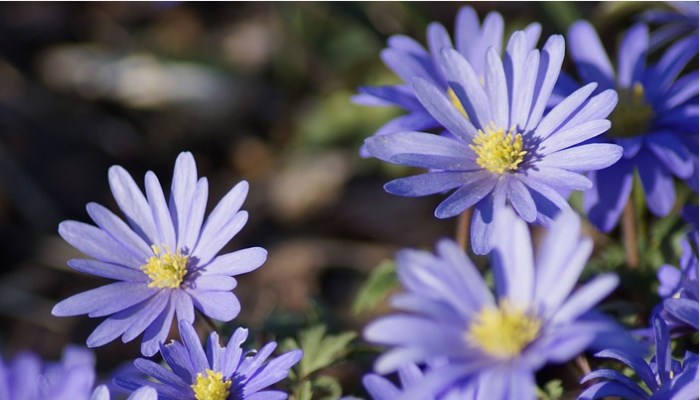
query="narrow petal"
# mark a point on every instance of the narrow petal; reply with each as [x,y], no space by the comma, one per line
[685,310]
[157,332]
[586,297]
[466,28]
[188,237]
[606,200]
[466,196]
[119,230]
[141,320]
[438,39]
[632,55]
[238,262]
[161,214]
[497,86]
[107,270]
[222,306]
[521,200]
[657,183]
[562,111]
[465,83]
[182,190]
[440,107]
[672,153]
[562,178]
[144,393]
[104,300]
[98,244]
[587,157]
[219,283]
[132,203]
[430,183]
[193,346]
[512,259]
[566,138]
[551,60]
[424,150]
[589,55]
[183,306]
[482,220]
[638,364]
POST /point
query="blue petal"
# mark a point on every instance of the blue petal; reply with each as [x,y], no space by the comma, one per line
[589,55]
[466,196]
[657,183]
[611,189]
[632,55]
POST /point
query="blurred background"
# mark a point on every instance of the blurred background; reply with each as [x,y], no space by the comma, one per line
[256,91]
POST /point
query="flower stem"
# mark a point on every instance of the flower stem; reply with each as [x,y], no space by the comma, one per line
[209,322]
[629,234]
[582,364]
[463,224]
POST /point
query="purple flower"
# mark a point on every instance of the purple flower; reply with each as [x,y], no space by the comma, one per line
[656,120]
[495,343]
[665,377]
[507,150]
[164,258]
[380,388]
[679,288]
[219,373]
[679,20]
[27,377]
[408,59]
[144,393]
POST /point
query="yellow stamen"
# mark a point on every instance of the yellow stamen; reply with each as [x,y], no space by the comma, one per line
[632,114]
[166,270]
[498,151]
[456,103]
[504,331]
[211,387]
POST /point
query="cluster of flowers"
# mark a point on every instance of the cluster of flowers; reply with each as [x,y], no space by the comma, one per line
[164,259]
[514,135]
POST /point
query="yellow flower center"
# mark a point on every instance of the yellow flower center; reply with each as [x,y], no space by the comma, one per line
[632,114]
[166,270]
[504,331]
[456,103]
[211,387]
[498,151]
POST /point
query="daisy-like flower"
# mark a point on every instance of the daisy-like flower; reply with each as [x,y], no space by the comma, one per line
[164,257]
[27,377]
[220,373]
[678,20]
[507,151]
[679,288]
[656,120]
[665,378]
[380,388]
[495,343]
[409,59]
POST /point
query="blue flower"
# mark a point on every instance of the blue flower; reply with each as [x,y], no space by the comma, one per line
[507,150]
[664,377]
[656,120]
[380,388]
[219,373]
[679,288]
[27,377]
[494,344]
[408,59]
[164,257]
[679,20]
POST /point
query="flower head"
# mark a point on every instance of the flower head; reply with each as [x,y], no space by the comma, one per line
[27,377]
[679,288]
[493,343]
[164,257]
[408,59]
[656,120]
[508,151]
[380,388]
[664,377]
[219,373]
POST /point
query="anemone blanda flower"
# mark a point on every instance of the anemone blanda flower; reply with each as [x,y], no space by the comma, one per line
[656,120]
[27,377]
[664,377]
[507,150]
[408,59]
[220,373]
[380,388]
[679,288]
[678,20]
[164,258]
[495,343]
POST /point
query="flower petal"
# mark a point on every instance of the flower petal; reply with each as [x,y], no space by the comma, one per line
[606,200]
[589,55]
[466,196]
[104,300]
[238,262]
[587,157]
[132,203]
[222,306]
[440,107]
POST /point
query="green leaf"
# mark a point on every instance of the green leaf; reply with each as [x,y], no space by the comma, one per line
[328,385]
[303,392]
[379,284]
[321,351]
[553,390]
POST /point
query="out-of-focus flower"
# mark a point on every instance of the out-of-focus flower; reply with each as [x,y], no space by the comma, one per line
[380,388]
[679,288]
[409,59]
[677,21]
[665,377]
[656,120]
[220,373]
[507,151]
[164,257]
[27,377]
[494,344]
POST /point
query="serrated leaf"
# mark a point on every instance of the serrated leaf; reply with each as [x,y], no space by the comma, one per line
[329,386]
[320,351]
[379,284]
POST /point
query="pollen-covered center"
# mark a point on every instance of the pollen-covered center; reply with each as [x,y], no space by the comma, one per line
[504,331]
[211,387]
[633,113]
[498,151]
[456,103]
[166,269]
